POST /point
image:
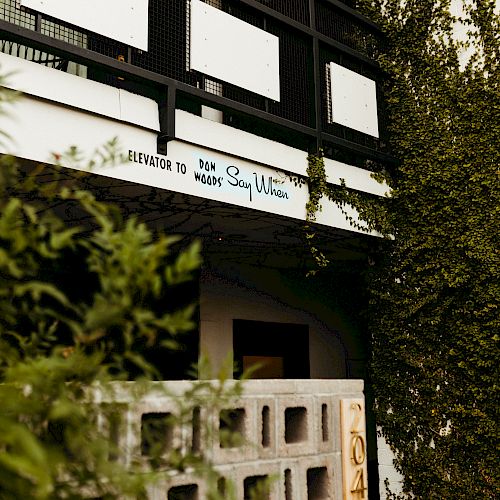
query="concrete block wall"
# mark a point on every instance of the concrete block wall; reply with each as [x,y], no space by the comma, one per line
[291,431]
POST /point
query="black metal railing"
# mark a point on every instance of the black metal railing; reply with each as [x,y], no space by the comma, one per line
[312,33]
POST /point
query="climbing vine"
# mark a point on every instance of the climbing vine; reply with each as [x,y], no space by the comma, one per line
[371,210]
[435,288]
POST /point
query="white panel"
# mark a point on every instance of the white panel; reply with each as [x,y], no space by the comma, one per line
[231,50]
[122,20]
[354,100]
[139,110]
[354,178]
[54,85]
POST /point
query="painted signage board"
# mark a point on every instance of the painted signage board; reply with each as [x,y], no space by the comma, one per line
[188,168]
[216,176]
[354,458]
[353,100]
[123,20]
[209,174]
[231,50]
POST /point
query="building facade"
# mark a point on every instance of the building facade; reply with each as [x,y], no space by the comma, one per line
[215,106]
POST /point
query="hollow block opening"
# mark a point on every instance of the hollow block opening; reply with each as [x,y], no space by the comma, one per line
[318,484]
[184,492]
[266,427]
[256,488]
[221,486]
[231,427]
[295,424]
[288,485]
[324,422]
[157,433]
[196,429]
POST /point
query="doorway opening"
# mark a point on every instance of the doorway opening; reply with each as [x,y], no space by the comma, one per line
[271,350]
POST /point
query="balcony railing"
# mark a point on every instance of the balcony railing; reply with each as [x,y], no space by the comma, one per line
[312,33]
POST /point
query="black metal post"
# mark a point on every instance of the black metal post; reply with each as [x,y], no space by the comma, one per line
[38,22]
[167,120]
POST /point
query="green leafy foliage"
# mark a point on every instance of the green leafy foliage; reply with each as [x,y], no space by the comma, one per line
[126,265]
[371,210]
[78,305]
[435,289]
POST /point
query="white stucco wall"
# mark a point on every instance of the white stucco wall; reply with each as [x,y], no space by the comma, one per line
[386,468]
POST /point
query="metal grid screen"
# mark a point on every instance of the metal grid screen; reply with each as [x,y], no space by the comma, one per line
[349,3]
[298,10]
[296,77]
[168,41]
[11,12]
[337,25]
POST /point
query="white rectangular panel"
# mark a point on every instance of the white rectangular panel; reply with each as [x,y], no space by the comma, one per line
[236,52]
[354,100]
[122,20]
[52,85]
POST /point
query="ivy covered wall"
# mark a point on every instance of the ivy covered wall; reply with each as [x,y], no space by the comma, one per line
[436,287]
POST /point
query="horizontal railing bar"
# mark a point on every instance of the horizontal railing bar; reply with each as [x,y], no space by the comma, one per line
[363,150]
[296,24]
[86,56]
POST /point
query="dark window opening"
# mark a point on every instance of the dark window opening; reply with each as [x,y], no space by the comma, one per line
[272,350]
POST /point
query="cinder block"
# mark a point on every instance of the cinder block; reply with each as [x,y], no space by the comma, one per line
[112,422]
[295,417]
[139,412]
[336,426]
[318,478]
[289,481]
[266,428]
[341,387]
[336,459]
[247,474]
[228,475]
[247,450]
[192,488]
[324,431]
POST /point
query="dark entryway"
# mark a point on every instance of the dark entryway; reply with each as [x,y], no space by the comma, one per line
[281,349]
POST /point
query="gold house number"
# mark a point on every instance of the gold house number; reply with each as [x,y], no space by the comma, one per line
[358,453]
